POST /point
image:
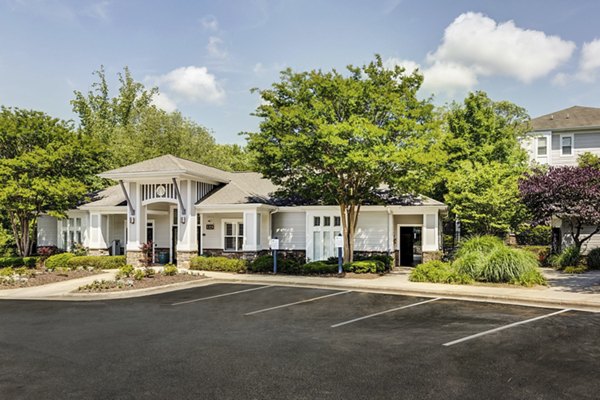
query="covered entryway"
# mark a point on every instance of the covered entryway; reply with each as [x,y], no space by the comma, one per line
[410,245]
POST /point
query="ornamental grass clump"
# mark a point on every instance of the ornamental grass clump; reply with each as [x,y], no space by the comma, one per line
[483,244]
[507,265]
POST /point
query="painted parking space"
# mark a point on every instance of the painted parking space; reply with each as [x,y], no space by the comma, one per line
[209,349]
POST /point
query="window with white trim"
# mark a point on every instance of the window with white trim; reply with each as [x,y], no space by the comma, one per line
[70,233]
[566,145]
[323,237]
[233,235]
[542,146]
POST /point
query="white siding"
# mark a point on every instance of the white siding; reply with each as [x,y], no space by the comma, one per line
[589,245]
[47,231]
[117,229]
[162,230]
[372,232]
[213,239]
[582,143]
[290,229]
[430,232]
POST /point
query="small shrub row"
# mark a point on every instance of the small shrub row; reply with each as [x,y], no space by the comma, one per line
[593,258]
[58,261]
[29,262]
[218,264]
[569,257]
[97,262]
[372,266]
[438,272]
[292,266]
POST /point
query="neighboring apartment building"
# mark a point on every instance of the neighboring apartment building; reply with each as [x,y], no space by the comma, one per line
[559,138]
[186,208]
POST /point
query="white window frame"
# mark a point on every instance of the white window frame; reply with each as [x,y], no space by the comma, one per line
[236,222]
[572,136]
[537,146]
[331,228]
[68,228]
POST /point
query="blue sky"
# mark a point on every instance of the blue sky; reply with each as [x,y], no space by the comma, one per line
[206,55]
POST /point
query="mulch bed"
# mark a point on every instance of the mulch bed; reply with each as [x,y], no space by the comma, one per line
[131,284]
[43,277]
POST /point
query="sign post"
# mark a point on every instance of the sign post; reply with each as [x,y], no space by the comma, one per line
[339,243]
[274,244]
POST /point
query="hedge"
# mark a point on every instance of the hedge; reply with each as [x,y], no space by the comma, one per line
[366,267]
[319,267]
[593,258]
[29,262]
[97,262]
[58,261]
[284,265]
[218,264]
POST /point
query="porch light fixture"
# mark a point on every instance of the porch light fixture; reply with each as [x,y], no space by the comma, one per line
[132,220]
[183,219]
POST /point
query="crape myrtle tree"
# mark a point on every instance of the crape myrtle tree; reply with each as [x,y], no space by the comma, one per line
[335,139]
[45,167]
[569,193]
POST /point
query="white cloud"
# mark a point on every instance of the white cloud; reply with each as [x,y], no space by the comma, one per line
[192,83]
[408,65]
[164,102]
[98,10]
[210,23]
[589,63]
[215,49]
[448,77]
[489,48]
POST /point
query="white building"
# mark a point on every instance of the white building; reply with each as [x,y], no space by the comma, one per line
[185,209]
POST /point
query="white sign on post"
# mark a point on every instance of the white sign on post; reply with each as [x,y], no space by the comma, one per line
[339,241]
[274,244]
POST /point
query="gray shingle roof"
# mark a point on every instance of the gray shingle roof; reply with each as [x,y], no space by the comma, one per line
[569,118]
[243,188]
[111,196]
[168,164]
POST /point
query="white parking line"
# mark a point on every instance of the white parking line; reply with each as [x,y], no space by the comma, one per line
[221,295]
[505,327]
[298,302]
[384,312]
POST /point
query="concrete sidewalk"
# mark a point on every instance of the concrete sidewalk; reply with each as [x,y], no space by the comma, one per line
[565,291]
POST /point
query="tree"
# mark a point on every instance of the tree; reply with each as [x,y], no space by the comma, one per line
[45,167]
[332,139]
[485,158]
[588,159]
[132,129]
[485,198]
[569,193]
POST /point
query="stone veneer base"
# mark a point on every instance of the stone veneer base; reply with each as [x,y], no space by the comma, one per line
[184,257]
[134,257]
[98,252]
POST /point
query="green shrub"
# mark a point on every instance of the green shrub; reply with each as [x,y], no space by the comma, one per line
[569,257]
[575,270]
[529,278]
[264,264]
[28,262]
[7,271]
[319,267]
[484,244]
[470,264]
[383,258]
[58,260]
[593,258]
[365,267]
[139,274]
[507,265]
[438,272]
[170,270]
[96,262]
[125,271]
[218,264]
[539,235]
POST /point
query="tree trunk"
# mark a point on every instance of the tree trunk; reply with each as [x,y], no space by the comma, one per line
[21,228]
[349,214]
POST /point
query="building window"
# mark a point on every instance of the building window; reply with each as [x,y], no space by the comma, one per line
[337,221]
[317,221]
[542,146]
[71,233]
[325,229]
[326,221]
[233,236]
[566,145]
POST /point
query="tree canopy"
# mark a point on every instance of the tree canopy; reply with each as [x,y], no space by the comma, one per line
[132,129]
[484,161]
[336,139]
[569,193]
[45,167]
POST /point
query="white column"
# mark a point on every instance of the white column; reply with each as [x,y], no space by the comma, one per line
[187,240]
[430,232]
[98,231]
[250,230]
[136,224]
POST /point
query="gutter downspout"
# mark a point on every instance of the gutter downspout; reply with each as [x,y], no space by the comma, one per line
[183,211]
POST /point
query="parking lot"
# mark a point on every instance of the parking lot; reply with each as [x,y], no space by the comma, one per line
[259,342]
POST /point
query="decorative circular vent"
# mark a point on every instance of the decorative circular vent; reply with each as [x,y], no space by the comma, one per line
[161,191]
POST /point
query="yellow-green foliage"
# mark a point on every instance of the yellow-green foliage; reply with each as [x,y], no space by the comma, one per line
[218,264]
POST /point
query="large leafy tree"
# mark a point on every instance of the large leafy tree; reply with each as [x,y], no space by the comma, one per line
[335,139]
[45,167]
[132,129]
[485,160]
[569,193]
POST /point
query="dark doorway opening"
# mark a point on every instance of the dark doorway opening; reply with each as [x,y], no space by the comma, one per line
[407,255]
[556,240]
[174,245]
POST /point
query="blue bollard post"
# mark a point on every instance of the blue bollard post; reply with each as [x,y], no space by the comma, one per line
[274,261]
[339,260]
